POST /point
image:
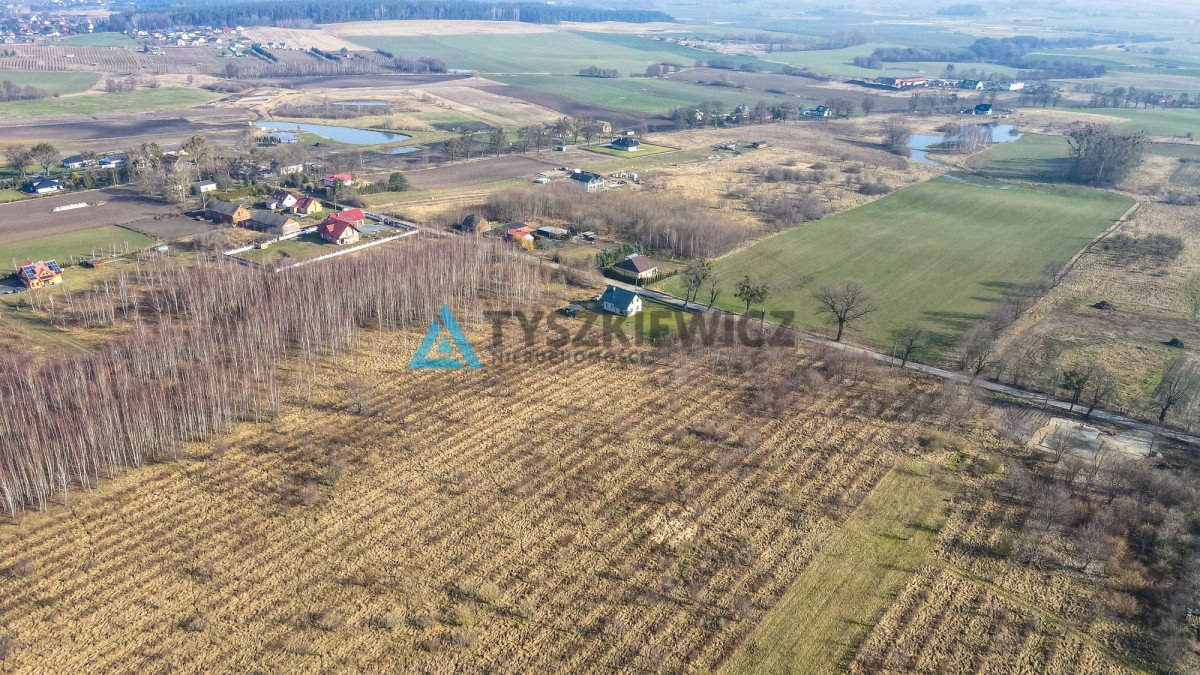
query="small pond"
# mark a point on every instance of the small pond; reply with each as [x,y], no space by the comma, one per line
[920,144]
[335,133]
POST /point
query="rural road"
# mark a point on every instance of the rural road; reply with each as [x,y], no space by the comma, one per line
[942,373]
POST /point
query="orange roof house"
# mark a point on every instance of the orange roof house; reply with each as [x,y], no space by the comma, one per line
[338,231]
[306,206]
[40,274]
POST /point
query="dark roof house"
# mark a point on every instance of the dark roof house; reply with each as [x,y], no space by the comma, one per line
[637,266]
[620,301]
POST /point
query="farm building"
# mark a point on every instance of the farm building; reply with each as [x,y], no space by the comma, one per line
[637,266]
[592,182]
[338,231]
[275,223]
[44,186]
[819,112]
[627,144]
[976,85]
[552,232]
[227,212]
[353,216]
[286,169]
[40,274]
[901,82]
[473,223]
[202,186]
[335,179]
[620,301]
[306,206]
[280,199]
[520,236]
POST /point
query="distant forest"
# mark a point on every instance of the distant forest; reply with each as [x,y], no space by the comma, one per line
[1010,51]
[151,14]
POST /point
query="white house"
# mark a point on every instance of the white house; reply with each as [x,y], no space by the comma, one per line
[44,186]
[620,301]
[281,199]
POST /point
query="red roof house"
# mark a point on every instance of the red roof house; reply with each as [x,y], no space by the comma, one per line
[338,231]
[352,216]
[338,179]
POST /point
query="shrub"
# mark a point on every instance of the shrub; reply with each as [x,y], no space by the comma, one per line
[875,188]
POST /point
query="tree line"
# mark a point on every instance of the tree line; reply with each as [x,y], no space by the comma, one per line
[157,14]
[10,91]
[204,348]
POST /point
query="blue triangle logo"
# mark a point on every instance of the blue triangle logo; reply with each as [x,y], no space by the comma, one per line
[444,346]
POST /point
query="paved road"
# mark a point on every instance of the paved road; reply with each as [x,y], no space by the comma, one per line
[950,375]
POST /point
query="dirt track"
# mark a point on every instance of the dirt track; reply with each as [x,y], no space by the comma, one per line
[36,217]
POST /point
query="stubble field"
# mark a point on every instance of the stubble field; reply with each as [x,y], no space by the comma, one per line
[524,517]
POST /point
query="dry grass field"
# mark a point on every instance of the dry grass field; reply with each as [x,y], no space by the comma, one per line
[529,516]
[304,38]
[1153,299]
[413,28]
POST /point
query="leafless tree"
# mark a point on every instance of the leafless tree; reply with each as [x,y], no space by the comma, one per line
[909,341]
[844,304]
[1178,386]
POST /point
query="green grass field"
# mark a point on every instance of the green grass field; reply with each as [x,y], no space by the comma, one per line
[100,40]
[301,248]
[640,95]
[1033,157]
[555,53]
[940,253]
[67,247]
[821,619]
[11,196]
[142,100]
[1176,150]
[57,83]
[1174,122]
[643,150]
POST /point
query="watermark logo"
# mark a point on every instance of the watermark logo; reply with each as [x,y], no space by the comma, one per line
[444,346]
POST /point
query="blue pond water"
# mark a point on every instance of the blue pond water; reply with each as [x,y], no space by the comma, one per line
[334,133]
[919,144]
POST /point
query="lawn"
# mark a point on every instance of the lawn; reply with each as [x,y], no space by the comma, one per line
[1034,157]
[142,100]
[818,624]
[640,95]
[643,150]
[57,83]
[309,245]
[11,196]
[66,248]
[940,253]
[1175,122]
[556,52]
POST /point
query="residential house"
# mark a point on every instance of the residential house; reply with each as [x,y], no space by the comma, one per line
[620,301]
[112,161]
[338,179]
[353,216]
[202,186]
[604,127]
[280,199]
[983,109]
[306,206]
[592,182]
[286,169]
[44,186]
[275,223]
[227,212]
[77,162]
[637,266]
[819,112]
[627,144]
[473,223]
[338,231]
[976,85]
[40,274]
